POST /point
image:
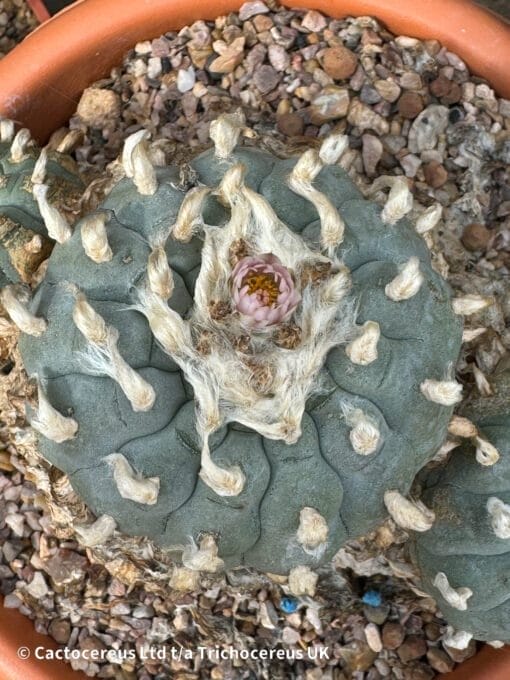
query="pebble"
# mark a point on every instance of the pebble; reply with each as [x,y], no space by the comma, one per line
[65,567]
[435,174]
[250,9]
[392,635]
[432,631]
[314,21]
[378,614]
[388,89]
[291,124]
[460,655]
[290,636]
[143,47]
[60,630]
[143,611]
[411,81]
[11,549]
[92,643]
[120,609]
[37,587]
[476,236]
[230,56]
[154,67]
[413,647]
[410,164]
[186,79]
[373,637]
[98,107]
[332,103]
[278,57]
[265,79]
[418,671]
[439,660]
[12,601]
[160,47]
[440,86]
[268,615]
[504,107]
[410,105]
[339,62]
[262,23]
[357,655]
[425,130]
[16,522]
[371,153]
[369,95]
[363,117]
[255,57]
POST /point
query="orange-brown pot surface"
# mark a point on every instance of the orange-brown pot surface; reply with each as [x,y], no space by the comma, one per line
[41,82]
[18,645]
[488,664]
[43,77]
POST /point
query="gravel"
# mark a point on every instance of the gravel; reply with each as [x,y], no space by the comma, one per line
[410,108]
[16,21]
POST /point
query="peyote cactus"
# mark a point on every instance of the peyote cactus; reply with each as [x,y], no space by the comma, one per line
[29,181]
[464,559]
[259,364]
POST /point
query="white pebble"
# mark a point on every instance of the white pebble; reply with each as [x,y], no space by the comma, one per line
[373,637]
[16,522]
[186,79]
[38,587]
[154,67]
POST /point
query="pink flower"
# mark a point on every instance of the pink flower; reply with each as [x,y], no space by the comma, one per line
[263,291]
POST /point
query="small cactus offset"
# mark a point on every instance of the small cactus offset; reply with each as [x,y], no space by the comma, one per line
[251,370]
[464,560]
[32,183]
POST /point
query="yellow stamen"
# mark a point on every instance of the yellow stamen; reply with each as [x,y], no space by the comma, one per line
[263,284]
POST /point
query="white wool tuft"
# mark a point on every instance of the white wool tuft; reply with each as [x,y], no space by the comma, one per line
[50,422]
[203,557]
[408,514]
[96,533]
[499,513]
[130,484]
[55,222]
[406,284]
[456,597]
[19,314]
[444,392]
[94,237]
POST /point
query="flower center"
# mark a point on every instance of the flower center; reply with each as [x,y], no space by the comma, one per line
[264,286]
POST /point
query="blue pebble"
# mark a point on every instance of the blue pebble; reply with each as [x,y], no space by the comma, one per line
[372,598]
[288,605]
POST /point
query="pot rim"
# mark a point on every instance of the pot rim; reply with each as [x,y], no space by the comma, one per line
[50,60]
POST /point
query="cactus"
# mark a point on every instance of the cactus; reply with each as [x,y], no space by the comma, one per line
[464,559]
[249,371]
[25,172]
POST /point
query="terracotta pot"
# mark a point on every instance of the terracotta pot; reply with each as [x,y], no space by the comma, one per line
[43,77]
[42,80]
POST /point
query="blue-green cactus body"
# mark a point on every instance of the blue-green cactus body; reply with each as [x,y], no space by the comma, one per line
[420,339]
